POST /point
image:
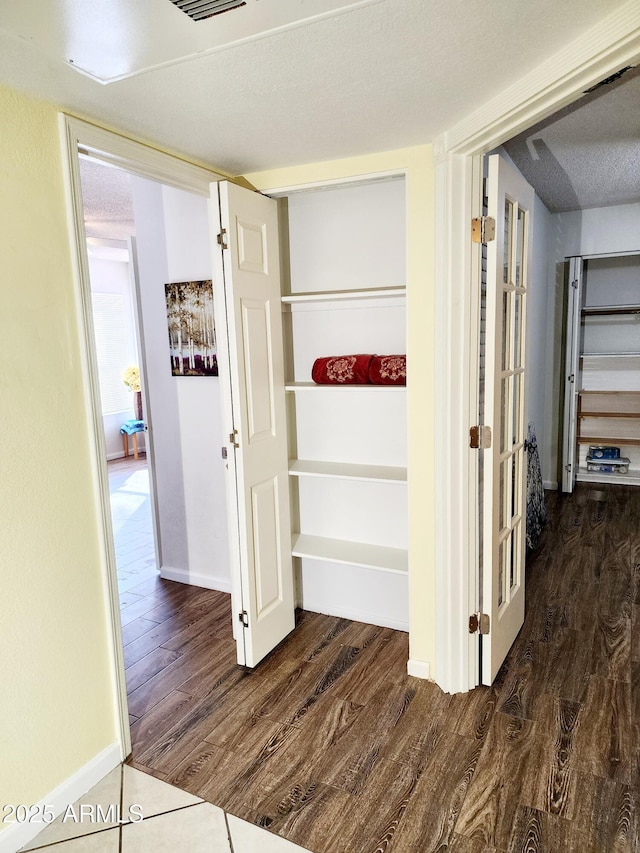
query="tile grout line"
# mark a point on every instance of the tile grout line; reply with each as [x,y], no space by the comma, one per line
[226,821]
[121,806]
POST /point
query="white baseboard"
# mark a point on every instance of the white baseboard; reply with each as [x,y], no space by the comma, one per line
[195,579]
[18,834]
[550,484]
[419,668]
[358,616]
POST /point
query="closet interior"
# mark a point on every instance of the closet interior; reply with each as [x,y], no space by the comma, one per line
[608,405]
[344,293]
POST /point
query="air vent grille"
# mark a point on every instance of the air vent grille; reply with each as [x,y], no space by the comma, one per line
[200,10]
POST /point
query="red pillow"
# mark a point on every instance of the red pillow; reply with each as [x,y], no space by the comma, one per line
[342,370]
[388,370]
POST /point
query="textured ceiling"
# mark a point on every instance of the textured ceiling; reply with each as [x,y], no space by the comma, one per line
[381,76]
[107,201]
[587,155]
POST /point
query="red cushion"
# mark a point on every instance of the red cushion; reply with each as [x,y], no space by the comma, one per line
[342,370]
[388,370]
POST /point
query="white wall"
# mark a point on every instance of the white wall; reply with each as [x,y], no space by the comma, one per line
[184,412]
[537,320]
[597,231]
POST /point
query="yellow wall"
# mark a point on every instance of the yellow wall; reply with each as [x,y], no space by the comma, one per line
[418,164]
[57,708]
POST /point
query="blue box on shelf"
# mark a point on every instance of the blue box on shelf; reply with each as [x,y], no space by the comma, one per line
[604,451]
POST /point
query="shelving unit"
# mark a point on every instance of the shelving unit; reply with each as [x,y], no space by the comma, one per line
[348,442]
[608,410]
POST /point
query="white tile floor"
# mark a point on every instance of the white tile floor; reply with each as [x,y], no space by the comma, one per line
[132,525]
[172,822]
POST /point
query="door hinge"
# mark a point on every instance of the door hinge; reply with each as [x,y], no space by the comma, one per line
[574,283]
[243,616]
[233,439]
[571,377]
[483,229]
[480,437]
[222,238]
[479,622]
[567,467]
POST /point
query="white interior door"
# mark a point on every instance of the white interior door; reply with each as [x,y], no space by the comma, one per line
[250,354]
[510,203]
[572,377]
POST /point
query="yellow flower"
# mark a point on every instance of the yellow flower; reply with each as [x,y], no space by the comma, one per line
[131,378]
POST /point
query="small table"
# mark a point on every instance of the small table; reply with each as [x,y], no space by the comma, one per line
[132,427]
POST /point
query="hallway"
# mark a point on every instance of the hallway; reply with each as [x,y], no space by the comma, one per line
[331,745]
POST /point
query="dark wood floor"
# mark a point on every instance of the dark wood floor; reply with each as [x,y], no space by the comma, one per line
[331,745]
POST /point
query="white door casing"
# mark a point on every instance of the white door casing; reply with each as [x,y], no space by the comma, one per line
[572,376]
[510,203]
[248,305]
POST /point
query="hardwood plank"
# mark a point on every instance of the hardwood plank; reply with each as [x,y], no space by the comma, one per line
[149,666]
[612,647]
[136,628]
[350,761]
[489,809]
[153,725]
[201,665]
[551,782]
[436,803]
[635,633]
[603,738]
[196,769]
[606,816]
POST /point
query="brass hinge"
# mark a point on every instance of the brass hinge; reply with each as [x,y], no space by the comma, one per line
[222,238]
[479,622]
[480,437]
[483,229]
[243,616]
[233,439]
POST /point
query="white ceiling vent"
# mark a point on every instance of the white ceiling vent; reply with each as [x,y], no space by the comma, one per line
[199,10]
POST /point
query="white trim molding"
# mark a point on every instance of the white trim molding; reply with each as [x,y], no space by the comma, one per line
[17,835]
[78,136]
[195,579]
[419,668]
[560,80]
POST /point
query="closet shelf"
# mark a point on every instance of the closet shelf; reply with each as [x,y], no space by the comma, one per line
[350,553]
[608,439]
[628,354]
[340,295]
[609,310]
[630,479]
[313,386]
[347,471]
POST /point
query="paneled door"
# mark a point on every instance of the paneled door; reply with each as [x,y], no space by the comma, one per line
[250,356]
[510,203]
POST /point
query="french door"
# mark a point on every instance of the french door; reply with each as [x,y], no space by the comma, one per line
[510,204]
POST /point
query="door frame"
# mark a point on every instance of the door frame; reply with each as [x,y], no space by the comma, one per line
[599,52]
[77,136]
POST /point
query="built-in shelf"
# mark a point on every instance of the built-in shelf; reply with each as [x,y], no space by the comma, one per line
[607,439]
[608,310]
[593,414]
[313,386]
[610,355]
[632,478]
[340,295]
[347,471]
[350,553]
